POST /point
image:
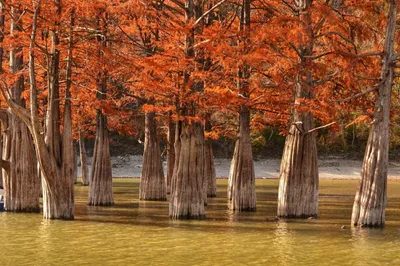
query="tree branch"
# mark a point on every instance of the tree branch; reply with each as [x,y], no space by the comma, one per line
[208,12]
[318,128]
[356,95]
[21,112]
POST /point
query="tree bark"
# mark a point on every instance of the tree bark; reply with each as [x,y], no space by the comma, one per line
[21,183]
[75,166]
[55,152]
[57,169]
[241,184]
[83,157]
[209,168]
[177,149]
[100,184]
[298,184]
[187,198]
[152,182]
[370,201]
[170,154]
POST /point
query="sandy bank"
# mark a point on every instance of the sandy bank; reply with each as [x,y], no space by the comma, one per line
[334,168]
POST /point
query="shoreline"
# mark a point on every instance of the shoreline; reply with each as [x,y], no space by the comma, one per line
[330,168]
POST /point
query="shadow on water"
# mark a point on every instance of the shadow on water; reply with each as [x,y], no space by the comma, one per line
[138,232]
[335,211]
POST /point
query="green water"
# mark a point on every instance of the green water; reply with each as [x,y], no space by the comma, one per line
[140,233]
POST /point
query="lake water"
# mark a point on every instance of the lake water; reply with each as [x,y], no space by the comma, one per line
[140,233]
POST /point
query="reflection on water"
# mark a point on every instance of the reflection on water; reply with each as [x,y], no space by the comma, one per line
[135,233]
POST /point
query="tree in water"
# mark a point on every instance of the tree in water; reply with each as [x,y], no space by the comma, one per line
[370,201]
[54,152]
[21,182]
[187,187]
[209,168]
[100,184]
[241,183]
[170,153]
[187,197]
[152,182]
[83,158]
[317,60]
[298,185]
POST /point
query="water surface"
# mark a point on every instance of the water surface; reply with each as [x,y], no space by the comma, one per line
[134,232]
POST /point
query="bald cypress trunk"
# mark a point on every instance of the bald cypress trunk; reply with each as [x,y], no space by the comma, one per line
[298,185]
[75,166]
[210,175]
[83,158]
[21,182]
[187,198]
[170,154]
[152,182]
[57,169]
[370,201]
[177,149]
[55,151]
[241,187]
[100,184]
[209,168]
[241,184]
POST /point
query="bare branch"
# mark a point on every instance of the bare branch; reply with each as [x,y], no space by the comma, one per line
[318,128]
[208,12]
[356,95]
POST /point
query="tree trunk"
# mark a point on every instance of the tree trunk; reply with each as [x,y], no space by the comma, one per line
[370,201]
[83,157]
[100,184]
[177,149]
[75,158]
[241,184]
[187,196]
[210,175]
[152,182]
[55,151]
[209,170]
[241,188]
[298,184]
[57,169]
[187,199]
[21,183]
[170,154]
